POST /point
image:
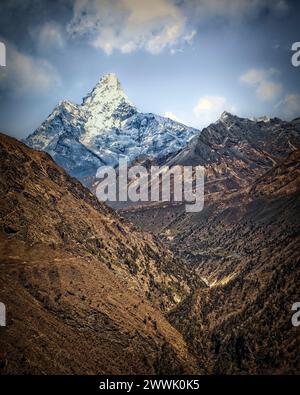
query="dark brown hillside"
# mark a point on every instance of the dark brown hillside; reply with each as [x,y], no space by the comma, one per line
[83,289]
[247,249]
[282,180]
[40,203]
[244,245]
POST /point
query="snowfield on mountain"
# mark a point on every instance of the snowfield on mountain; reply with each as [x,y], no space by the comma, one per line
[104,128]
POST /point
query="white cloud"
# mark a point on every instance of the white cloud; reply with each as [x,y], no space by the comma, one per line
[256,76]
[26,74]
[261,80]
[290,106]
[129,25]
[268,90]
[209,108]
[156,25]
[49,35]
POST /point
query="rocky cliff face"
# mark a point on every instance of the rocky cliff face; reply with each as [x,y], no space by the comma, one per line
[234,151]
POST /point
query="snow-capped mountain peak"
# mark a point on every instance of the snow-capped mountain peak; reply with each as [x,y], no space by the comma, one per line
[107,91]
[105,127]
[105,108]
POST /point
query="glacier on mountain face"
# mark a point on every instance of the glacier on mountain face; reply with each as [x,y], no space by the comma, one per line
[104,128]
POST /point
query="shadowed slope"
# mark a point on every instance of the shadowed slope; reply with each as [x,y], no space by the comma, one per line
[83,288]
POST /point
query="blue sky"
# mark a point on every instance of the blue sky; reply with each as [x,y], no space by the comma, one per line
[187,59]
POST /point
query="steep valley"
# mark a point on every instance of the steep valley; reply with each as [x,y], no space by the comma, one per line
[247,250]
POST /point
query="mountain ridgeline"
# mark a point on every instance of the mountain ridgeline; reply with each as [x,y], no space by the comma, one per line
[234,152]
